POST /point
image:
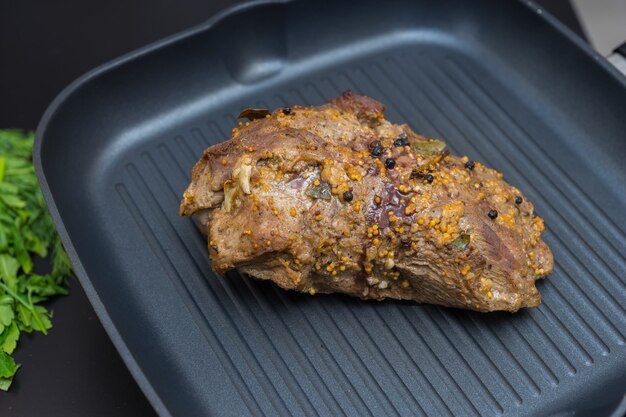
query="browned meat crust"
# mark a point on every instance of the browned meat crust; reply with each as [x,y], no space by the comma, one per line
[337,199]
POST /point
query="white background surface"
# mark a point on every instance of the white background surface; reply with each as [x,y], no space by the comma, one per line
[604,22]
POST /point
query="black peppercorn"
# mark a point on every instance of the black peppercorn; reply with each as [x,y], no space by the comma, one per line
[402,140]
[469,165]
[429,177]
[518,200]
[390,163]
[377,151]
[492,214]
[375,144]
[347,196]
[286,110]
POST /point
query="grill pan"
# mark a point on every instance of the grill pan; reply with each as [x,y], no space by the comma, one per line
[501,82]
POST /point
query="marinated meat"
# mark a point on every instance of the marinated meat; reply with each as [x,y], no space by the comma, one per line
[335,198]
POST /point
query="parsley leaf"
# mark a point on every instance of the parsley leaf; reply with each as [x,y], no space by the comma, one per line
[26,228]
[7,365]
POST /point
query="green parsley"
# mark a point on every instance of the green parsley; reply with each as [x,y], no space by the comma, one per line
[26,229]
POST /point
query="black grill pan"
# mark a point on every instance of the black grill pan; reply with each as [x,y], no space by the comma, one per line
[501,82]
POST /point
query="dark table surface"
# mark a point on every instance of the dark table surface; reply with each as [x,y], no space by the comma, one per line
[44,45]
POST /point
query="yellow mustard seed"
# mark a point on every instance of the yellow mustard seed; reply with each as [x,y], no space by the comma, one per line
[410,209]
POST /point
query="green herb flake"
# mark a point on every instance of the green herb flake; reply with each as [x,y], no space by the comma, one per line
[460,243]
[321,191]
[26,228]
[429,147]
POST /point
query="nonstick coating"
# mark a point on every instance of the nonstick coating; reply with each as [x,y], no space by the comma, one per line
[500,82]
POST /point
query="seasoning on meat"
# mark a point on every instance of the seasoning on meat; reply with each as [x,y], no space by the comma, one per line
[390,163]
[322,212]
[377,150]
[402,140]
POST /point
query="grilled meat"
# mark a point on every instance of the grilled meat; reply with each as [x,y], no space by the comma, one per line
[335,198]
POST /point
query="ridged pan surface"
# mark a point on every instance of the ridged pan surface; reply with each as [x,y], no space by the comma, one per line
[497,81]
